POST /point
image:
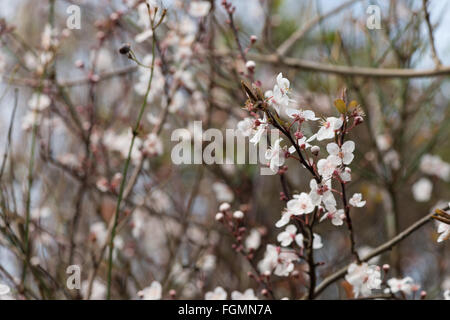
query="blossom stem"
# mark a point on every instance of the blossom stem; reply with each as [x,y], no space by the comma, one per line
[348,219]
[125,169]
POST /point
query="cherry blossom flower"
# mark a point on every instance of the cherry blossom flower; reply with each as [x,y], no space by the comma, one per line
[384,142]
[326,167]
[277,261]
[207,263]
[405,285]
[138,223]
[153,292]
[422,190]
[245,127]
[250,65]
[253,241]
[300,204]
[287,237]
[357,201]
[219,216]
[39,102]
[41,213]
[317,241]
[444,231]
[152,145]
[218,294]
[120,142]
[434,165]
[158,81]
[223,192]
[224,207]
[98,291]
[278,97]
[4,289]
[303,115]
[283,83]
[392,159]
[38,62]
[447,294]
[303,143]
[30,119]
[329,126]
[49,37]
[345,153]
[345,174]
[159,201]
[238,214]
[260,130]
[337,216]
[99,234]
[248,294]
[199,9]
[321,193]
[364,278]
[275,155]
[104,59]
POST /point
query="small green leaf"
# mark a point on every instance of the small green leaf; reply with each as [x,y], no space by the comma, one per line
[340,106]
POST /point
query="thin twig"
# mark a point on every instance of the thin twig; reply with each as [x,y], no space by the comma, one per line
[377,251]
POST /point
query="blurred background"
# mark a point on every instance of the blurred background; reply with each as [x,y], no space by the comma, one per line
[167,231]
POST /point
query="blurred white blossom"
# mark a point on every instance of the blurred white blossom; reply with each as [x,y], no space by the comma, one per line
[422,190]
[218,294]
[364,278]
[153,292]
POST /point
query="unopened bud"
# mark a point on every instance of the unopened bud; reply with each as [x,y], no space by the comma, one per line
[238,215]
[265,292]
[125,48]
[315,150]
[358,120]
[253,38]
[386,267]
[423,294]
[250,65]
[219,216]
[224,207]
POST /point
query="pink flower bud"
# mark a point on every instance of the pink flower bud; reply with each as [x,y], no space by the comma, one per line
[298,134]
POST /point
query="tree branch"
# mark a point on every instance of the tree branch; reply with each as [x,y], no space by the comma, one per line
[349,71]
[377,251]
